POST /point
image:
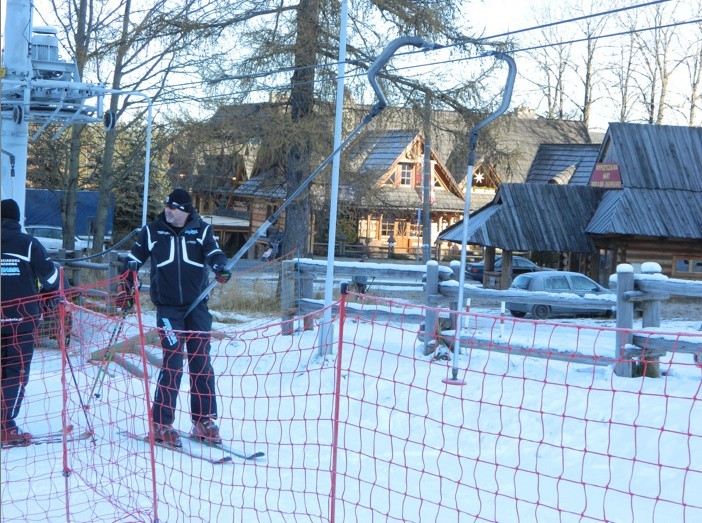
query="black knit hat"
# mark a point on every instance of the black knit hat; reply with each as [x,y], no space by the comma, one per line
[179,199]
[9,210]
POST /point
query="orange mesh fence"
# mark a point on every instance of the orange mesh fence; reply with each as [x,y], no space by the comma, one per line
[373,427]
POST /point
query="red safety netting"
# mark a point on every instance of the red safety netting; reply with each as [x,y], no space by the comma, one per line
[529,422]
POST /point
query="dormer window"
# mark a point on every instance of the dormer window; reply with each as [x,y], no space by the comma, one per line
[406,170]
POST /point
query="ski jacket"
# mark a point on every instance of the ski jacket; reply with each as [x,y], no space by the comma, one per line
[178,259]
[24,264]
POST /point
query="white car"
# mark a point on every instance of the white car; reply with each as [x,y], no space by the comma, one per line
[51,237]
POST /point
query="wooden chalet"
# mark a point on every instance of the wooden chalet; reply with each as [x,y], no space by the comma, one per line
[382,190]
[635,199]
[381,177]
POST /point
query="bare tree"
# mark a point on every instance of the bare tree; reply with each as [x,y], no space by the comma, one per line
[592,29]
[552,57]
[655,49]
[694,71]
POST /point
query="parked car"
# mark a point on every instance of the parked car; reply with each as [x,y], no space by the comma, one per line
[520,265]
[558,282]
[51,237]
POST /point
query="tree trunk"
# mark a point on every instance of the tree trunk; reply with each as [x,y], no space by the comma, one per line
[105,189]
[297,216]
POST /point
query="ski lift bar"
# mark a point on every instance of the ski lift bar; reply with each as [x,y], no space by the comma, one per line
[473,140]
[381,104]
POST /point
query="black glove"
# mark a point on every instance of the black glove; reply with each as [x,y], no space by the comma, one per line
[222,274]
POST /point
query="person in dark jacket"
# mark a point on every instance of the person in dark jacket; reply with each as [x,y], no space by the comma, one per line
[181,246]
[24,264]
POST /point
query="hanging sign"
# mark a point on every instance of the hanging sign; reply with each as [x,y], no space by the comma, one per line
[606,175]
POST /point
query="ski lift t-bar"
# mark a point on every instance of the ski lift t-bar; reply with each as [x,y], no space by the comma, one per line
[382,102]
[473,140]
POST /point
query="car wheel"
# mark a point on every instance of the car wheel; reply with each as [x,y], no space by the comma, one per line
[540,312]
[517,314]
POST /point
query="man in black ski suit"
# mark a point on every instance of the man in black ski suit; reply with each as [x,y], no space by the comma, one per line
[180,245]
[24,264]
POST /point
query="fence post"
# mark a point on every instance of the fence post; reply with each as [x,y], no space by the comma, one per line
[625,320]
[287,297]
[431,315]
[651,318]
[651,308]
[307,291]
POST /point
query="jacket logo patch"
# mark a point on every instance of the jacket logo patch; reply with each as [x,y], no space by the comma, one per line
[190,231]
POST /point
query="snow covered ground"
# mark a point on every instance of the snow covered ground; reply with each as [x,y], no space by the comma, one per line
[525,439]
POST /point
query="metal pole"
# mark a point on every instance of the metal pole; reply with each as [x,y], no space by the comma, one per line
[15,124]
[326,329]
[427,184]
[473,140]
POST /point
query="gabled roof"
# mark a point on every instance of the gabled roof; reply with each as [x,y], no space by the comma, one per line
[511,144]
[666,213]
[661,172]
[563,164]
[655,156]
[263,185]
[533,217]
[374,154]
[381,149]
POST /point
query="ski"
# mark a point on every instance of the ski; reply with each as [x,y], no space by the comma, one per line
[223,448]
[51,437]
[186,449]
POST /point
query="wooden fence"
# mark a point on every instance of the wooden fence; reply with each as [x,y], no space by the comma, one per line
[643,292]
[648,290]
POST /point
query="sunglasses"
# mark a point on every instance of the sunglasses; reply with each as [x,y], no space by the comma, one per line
[175,205]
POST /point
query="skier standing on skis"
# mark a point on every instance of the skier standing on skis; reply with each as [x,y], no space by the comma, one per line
[180,245]
[24,262]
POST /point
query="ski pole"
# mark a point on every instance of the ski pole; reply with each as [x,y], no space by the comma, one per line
[64,348]
[382,102]
[109,351]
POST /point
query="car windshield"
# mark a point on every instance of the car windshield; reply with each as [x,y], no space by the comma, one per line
[522,281]
[582,283]
[517,261]
[46,232]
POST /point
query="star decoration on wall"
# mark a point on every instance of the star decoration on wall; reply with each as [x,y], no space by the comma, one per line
[479,178]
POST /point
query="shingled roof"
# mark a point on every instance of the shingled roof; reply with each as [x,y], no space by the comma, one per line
[661,196]
[379,150]
[655,213]
[531,217]
[655,156]
[563,164]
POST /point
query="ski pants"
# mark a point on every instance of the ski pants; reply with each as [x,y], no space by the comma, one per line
[178,331]
[15,357]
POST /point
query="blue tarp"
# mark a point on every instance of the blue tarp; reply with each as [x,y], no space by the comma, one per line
[43,207]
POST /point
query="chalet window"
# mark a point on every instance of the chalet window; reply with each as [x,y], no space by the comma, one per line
[387,226]
[390,180]
[687,266]
[406,170]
